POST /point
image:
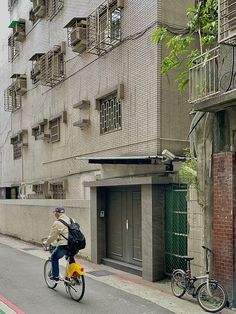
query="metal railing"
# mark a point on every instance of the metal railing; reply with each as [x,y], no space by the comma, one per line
[203,76]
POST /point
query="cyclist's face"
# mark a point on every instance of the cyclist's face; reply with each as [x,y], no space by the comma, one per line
[57,215]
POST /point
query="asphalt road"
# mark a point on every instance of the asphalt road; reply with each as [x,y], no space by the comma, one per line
[22,283]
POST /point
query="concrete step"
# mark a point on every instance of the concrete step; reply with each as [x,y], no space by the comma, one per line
[129,268]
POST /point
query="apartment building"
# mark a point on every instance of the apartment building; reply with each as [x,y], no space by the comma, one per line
[85,117]
[213,96]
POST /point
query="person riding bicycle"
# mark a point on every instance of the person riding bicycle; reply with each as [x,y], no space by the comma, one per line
[58,230]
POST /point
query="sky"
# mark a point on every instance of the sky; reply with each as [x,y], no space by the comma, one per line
[4,19]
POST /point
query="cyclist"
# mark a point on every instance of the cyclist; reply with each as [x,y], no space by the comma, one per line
[58,230]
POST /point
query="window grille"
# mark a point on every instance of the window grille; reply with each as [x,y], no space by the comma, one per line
[227,21]
[52,67]
[110,114]
[103,27]
[17,148]
[54,126]
[12,100]
[11,4]
[57,190]
[53,7]
[13,48]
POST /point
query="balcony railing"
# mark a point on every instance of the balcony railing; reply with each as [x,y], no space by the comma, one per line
[203,76]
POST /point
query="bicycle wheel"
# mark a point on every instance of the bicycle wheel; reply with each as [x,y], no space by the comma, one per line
[47,273]
[213,299]
[178,286]
[76,288]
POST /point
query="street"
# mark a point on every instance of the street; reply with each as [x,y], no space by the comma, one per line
[22,284]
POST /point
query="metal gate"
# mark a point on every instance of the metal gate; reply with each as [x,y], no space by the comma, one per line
[175,227]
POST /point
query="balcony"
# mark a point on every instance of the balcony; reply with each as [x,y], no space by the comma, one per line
[204,76]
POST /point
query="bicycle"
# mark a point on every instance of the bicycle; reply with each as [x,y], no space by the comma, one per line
[211,295]
[73,279]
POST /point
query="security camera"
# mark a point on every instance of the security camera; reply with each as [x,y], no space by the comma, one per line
[166,153]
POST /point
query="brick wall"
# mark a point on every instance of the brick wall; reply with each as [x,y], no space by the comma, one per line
[224,218]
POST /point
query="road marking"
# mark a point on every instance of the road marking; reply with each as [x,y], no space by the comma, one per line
[7,307]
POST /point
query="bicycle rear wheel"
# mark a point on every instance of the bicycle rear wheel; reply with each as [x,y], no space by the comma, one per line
[213,299]
[178,286]
[76,288]
[47,273]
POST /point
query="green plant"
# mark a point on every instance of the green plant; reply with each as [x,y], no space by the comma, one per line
[188,171]
[202,24]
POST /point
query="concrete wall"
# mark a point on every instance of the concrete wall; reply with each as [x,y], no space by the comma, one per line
[30,220]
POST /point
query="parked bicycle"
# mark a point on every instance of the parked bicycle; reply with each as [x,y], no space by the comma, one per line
[211,295]
[73,279]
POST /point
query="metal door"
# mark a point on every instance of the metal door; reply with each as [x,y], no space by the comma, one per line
[124,224]
[175,227]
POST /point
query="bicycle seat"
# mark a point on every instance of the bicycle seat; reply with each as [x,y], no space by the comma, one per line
[187,258]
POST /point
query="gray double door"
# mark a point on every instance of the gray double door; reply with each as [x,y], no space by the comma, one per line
[124,232]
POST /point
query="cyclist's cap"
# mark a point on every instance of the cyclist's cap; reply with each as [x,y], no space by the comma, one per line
[59,209]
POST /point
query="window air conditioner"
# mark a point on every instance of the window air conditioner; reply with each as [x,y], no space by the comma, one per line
[39,8]
[20,85]
[19,32]
[43,136]
[77,35]
[120,4]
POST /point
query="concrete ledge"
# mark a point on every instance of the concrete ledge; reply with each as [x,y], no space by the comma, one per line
[46,202]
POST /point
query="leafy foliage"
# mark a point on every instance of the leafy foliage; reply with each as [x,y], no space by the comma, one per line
[203,23]
[188,171]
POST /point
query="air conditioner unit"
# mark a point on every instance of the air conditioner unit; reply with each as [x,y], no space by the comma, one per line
[77,34]
[43,136]
[20,85]
[19,32]
[120,4]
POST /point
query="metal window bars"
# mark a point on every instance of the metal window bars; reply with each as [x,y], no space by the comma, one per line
[11,4]
[110,114]
[12,100]
[103,27]
[227,21]
[13,48]
[52,67]
[53,7]
[204,76]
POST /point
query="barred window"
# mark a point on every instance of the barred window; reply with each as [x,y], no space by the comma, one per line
[54,126]
[13,48]
[110,114]
[16,148]
[53,7]
[58,191]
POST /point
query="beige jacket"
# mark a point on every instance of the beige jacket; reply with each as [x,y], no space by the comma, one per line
[57,229]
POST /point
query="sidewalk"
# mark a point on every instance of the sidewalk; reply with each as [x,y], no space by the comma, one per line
[157,292]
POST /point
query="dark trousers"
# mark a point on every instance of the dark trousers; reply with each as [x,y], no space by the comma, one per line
[58,253]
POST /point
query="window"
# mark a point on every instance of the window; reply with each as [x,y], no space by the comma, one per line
[57,190]
[12,100]
[32,17]
[13,48]
[104,26]
[11,3]
[52,66]
[110,114]
[54,126]
[53,7]
[16,142]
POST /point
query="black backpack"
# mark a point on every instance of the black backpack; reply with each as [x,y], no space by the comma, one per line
[76,239]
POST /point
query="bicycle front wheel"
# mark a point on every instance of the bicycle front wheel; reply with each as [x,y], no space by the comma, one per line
[76,288]
[213,298]
[178,286]
[47,273]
